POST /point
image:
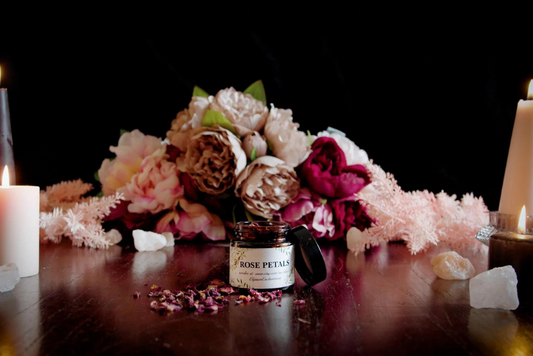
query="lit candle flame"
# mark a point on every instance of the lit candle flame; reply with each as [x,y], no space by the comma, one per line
[5,177]
[522,221]
[530,90]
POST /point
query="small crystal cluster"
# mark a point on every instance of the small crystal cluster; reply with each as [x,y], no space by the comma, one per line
[209,299]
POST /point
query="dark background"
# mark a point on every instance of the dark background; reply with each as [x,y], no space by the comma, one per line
[431,97]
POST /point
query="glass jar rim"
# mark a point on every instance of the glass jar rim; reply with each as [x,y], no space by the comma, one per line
[262,227]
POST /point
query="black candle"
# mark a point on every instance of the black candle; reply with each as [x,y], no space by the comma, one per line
[6,139]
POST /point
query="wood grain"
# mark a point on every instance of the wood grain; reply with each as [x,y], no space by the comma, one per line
[385,301]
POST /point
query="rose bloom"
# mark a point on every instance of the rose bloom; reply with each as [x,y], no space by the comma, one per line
[191,219]
[156,186]
[244,111]
[309,209]
[266,185]
[132,148]
[214,159]
[326,172]
[287,142]
[352,153]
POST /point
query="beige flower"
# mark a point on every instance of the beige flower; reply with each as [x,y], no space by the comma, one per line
[286,141]
[214,159]
[187,120]
[244,112]
[254,141]
[266,185]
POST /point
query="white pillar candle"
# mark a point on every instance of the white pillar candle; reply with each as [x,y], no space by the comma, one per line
[517,189]
[19,226]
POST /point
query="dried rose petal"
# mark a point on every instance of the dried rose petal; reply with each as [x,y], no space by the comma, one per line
[299,302]
[136,295]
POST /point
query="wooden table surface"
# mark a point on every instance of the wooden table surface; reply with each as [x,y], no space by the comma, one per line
[385,301]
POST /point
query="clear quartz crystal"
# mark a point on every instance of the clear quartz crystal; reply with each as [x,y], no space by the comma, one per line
[495,288]
[9,277]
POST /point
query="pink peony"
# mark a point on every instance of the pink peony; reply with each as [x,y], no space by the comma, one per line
[307,208]
[287,142]
[325,171]
[132,148]
[191,219]
[155,187]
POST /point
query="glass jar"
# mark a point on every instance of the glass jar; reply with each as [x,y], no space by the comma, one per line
[261,256]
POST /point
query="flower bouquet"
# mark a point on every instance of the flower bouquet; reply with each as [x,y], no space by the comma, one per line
[231,157]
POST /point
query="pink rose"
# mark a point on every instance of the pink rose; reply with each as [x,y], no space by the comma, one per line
[326,172]
[349,212]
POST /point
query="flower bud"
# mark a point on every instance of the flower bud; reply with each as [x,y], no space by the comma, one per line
[257,142]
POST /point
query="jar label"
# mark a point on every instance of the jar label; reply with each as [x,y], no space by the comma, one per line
[261,268]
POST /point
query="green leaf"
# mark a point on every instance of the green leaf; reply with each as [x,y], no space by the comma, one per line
[257,90]
[253,154]
[96,176]
[122,132]
[323,201]
[197,91]
[309,138]
[213,117]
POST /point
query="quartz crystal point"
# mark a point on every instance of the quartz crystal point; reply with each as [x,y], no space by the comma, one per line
[9,277]
[148,241]
[451,265]
[495,288]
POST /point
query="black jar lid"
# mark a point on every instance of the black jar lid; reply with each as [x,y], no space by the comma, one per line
[308,260]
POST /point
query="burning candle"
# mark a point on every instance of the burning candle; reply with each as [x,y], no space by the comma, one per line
[6,139]
[515,249]
[517,189]
[19,226]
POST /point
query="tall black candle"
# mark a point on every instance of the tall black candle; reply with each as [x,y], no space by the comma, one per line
[6,139]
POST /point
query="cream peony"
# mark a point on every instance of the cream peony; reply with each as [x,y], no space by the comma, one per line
[132,148]
[244,111]
[187,120]
[352,153]
[286,141]
[155,187]
[213,159]
[266,185]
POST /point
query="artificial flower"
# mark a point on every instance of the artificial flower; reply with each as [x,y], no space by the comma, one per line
[132,148]
[352,153]
[286,141]
[156,186]
[326,172]
[246,113]
[266,185]
[254,145]
[310,209]
[214,158]
[349,212]
[187,120]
